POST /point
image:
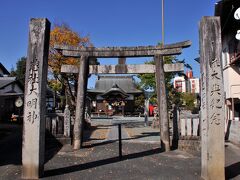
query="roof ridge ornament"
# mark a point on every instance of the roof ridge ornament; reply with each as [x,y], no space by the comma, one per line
[115,85]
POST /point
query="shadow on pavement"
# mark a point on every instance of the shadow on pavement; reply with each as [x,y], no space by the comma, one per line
[124,139]
[88,165]
[135,125]
[143,135]
[232,170]
[52,146]
[99,144]
[11,147]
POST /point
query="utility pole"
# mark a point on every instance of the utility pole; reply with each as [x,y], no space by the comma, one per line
[162,22]
[162,96]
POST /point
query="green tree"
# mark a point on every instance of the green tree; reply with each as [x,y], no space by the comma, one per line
[65,84]
[148,82]
[19,73]
[188,100]
[139,101]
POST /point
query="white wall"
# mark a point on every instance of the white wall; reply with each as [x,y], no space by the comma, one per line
[233,130]
[194,81]
[231,74]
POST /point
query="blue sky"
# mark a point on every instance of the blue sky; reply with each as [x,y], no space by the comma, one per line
[108,22]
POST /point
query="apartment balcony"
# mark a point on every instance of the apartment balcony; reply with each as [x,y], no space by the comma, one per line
[234,52]
[235,58]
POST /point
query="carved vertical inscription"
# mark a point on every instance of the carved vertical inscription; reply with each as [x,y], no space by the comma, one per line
[203,113]
[67,119]
[34,103]
[212,100]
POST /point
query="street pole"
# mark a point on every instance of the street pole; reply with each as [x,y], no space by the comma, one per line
[162,22]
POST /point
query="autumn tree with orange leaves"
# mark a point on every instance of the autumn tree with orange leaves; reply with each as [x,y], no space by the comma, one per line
[64,83]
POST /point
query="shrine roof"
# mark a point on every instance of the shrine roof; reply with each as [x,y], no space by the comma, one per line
[115,91]
[126,83]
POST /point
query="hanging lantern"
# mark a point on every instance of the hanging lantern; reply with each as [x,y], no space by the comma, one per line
[237,14]
[237,17]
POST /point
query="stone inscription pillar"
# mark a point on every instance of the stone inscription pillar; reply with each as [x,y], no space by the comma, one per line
[162,103]
[212,100]
[35,100]
[67,119]
[80,108]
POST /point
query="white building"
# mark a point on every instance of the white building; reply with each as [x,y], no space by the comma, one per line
[194,85]
[231,66]
[189,84]
[230,56]
[179,83]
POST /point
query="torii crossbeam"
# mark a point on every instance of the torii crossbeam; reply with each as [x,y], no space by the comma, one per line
[113,52]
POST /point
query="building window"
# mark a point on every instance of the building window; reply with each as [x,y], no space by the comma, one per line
[193,86]
[178,86]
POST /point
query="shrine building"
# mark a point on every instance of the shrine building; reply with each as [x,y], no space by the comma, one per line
[114,95]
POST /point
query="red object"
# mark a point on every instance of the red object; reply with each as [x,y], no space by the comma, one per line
[189,74]
[151,107]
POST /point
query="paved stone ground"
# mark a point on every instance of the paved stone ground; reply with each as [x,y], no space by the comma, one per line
[140,161]
[232,159]
[99,159]
[141,133]
[134,129]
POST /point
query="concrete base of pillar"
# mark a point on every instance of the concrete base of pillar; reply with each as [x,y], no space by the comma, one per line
[76,144]
[32,171]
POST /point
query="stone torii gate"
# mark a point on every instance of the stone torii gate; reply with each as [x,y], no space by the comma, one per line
[122,53]
[36,80]
[212,94]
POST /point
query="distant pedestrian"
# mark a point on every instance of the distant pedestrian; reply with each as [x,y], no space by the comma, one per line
[155,122]
[145,119]
[155,112]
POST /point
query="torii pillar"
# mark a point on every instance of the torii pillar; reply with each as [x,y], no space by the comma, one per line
[80,107]
[162,103]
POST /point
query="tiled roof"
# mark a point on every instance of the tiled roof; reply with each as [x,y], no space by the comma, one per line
[115,91]
[5,71]
[4,81]
[126,83]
